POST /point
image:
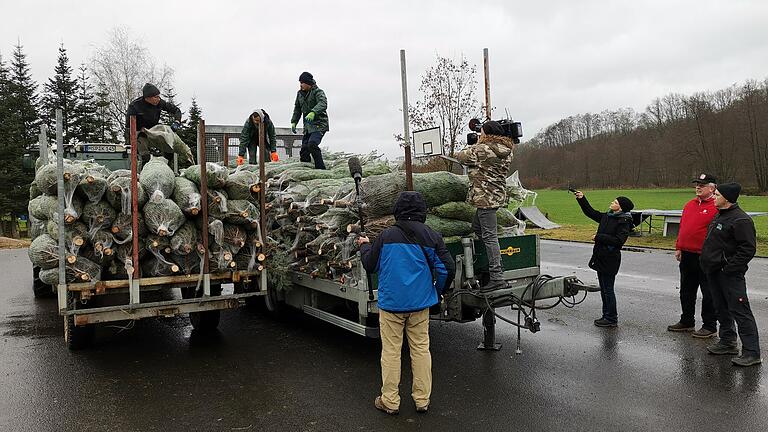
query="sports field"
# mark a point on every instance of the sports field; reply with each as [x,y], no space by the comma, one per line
[561,207]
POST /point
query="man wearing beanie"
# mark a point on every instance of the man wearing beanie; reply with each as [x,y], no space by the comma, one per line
[311,106]
[147,110]
[697,215]
[488,164]
[729,246]
[612,232]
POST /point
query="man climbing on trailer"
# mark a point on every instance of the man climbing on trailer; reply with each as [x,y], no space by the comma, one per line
[406,256]
[488,165]
[147,110]
[258,122]
[310,105]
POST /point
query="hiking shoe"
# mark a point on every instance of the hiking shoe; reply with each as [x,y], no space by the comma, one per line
[380,406]
[704,333]
[494,285]
[680,327]
[422,410]
[602,322]
[719,348]
[746,360]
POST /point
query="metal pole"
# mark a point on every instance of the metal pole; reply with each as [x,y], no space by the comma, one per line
[204,204]
[62,288]
[226,150]
[486,70]
[134,288]
[263,181]
[42,143]
[406,126]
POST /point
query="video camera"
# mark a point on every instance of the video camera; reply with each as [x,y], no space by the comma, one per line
[512,129]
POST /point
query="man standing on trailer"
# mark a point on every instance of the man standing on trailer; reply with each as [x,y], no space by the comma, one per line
[311,105]
[413,267]
[697,215]
[147,110]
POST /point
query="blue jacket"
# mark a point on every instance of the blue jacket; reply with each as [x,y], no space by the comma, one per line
[406,262]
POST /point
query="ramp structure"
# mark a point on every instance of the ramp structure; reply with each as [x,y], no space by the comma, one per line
[536,217]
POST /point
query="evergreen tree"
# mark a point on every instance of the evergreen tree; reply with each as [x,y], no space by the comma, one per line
[60,92]
[169,96]
[189,133]
[105,127]
[15,191]
[24,97]
[85,124]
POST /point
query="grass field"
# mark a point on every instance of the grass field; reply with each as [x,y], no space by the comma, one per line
[561,207]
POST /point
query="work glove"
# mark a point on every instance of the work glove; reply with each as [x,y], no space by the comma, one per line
[310,116]
[240,160]
[175,126]
[293,127]
[274,157]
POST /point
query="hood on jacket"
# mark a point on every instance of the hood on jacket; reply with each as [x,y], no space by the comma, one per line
[410,206]
[501,145]
[263,114]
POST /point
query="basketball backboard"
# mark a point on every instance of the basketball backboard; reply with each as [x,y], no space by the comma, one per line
[427,142]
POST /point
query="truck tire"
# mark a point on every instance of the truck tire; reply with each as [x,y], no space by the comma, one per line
[206,321]
[77,337]
[40,289]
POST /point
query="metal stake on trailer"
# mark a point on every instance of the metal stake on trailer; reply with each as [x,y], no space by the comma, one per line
[226,150]
[204,204]
[62,288]
[135,279]
[406,127]
[486,75]
[262,202]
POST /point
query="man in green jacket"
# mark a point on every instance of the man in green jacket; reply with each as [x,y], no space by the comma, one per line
[310,105]
[249,138]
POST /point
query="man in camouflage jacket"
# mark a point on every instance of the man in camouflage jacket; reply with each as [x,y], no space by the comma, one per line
[488,164]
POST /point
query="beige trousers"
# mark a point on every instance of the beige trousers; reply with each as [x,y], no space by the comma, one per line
[416,328]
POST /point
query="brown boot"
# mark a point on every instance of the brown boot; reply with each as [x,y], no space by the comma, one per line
[381,407]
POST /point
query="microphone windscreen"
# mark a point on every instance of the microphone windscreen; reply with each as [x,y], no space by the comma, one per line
[354,166]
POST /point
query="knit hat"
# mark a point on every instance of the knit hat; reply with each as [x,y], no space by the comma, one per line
[493,128]
[307,78]
[149,90]
[730,191]
[625,203]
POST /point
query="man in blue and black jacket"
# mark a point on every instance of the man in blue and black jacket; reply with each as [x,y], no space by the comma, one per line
[413,267]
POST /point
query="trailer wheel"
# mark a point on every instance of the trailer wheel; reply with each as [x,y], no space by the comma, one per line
[77,337]
[40,289]
[203,321]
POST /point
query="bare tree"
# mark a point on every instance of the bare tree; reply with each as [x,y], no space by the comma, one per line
[121,67]
[448,100]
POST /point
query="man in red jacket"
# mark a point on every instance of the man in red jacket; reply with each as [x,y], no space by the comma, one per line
[697,215]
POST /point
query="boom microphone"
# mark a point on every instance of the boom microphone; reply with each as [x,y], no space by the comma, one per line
[355,169]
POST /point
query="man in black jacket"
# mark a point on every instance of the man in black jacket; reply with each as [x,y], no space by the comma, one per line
[730,245]
[612,232]
[147,110]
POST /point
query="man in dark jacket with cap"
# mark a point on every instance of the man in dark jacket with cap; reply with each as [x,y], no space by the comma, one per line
[612,232]
[413,267]
[729,247]
[697,214]
[147,110]
[311,105]
[257,122]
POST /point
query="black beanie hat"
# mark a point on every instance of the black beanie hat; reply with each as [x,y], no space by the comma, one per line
[625,203]
[307,78]
[493,128]
[149,90]
[730,191]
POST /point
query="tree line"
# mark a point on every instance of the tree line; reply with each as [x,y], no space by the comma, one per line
[722,132]
[93,98]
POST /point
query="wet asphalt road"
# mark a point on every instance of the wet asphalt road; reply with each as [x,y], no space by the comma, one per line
[258,373]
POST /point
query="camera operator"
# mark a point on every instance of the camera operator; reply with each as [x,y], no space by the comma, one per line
[488,164]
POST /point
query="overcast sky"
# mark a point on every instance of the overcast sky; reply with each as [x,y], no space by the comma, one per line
[549,59]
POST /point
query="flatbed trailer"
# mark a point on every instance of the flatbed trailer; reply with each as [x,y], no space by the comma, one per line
[351,303]
[86,304]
